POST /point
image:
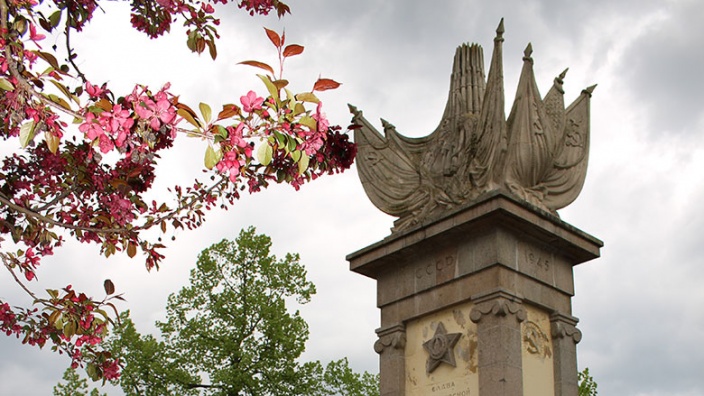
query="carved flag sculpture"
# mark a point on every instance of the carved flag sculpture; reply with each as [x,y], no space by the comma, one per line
[539,154]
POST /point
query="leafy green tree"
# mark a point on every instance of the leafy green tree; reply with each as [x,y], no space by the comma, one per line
[587,386]
[230,333]
[74,385]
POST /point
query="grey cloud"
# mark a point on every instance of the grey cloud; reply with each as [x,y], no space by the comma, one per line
[663,68]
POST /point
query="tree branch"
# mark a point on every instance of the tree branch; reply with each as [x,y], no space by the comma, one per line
[49,220]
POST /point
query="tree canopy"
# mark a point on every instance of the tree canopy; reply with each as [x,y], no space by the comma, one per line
[230,332]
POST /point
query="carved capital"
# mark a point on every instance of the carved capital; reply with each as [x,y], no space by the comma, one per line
[390,337]
[565,326]
[499,303]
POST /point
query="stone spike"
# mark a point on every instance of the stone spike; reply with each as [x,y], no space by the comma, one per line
[387,124]
[500,29]
[563,74]
[589,90]
[528,51]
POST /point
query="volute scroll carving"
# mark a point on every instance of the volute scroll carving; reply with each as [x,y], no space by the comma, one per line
[498,307]
[538,154]
[565,326]
[395,340]
[566,330]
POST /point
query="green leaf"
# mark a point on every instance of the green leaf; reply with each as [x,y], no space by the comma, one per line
[292,144]
[303,163]
[222,131]
[64,91]
[26,133]
[265,153]
[307,97]
[298,109]
[59,101]
[206,111]
[212,157]
[273,91]
[6,85]
[309,122]
[55,18]
[296,155]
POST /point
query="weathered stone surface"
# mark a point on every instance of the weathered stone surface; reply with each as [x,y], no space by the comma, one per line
[507,268]
[539,154]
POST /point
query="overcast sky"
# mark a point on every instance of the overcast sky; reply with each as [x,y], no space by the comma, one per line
[640,304]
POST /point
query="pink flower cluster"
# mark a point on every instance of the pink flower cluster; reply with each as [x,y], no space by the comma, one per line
[314,140]
[8,320]
[261,7]
[114,128]
[237,152]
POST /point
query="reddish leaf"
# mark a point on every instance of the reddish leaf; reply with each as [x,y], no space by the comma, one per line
[274,37]
[258,64]
[109,287]
[131,250]
[323,84]
[282,9]
[213,50]
[293,49]
[280,84]
[228,111]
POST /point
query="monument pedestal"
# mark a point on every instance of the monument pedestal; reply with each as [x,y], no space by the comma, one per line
[478,302]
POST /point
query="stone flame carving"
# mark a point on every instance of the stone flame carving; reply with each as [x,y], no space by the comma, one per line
[539,154]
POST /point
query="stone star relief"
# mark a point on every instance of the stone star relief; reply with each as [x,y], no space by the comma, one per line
[440,348]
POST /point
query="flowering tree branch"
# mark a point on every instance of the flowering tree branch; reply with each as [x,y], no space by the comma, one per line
[61,186]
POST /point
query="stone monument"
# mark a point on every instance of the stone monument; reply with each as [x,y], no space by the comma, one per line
[475,281]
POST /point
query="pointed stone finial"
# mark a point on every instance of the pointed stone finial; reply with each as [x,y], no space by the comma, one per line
[387,125]
[527,53]
[589,90]
[559,80]
[500,31]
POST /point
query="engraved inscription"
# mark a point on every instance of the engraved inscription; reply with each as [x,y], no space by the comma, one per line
[538,260]
[443,264]
[448,388]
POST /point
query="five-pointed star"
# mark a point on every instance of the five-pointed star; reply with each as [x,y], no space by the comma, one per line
[440,348]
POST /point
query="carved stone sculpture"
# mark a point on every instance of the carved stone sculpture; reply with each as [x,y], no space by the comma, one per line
[539,154]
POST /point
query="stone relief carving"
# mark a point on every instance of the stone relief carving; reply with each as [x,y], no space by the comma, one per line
[539,153]
[566,330]
[498,307]
[395,340]
[535,340]
[440,348]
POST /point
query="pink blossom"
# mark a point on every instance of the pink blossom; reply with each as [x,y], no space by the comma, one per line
[251,102]
[230,165]
[34,36]
[323,123]
[94,91]
[91,127]
[155,112]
